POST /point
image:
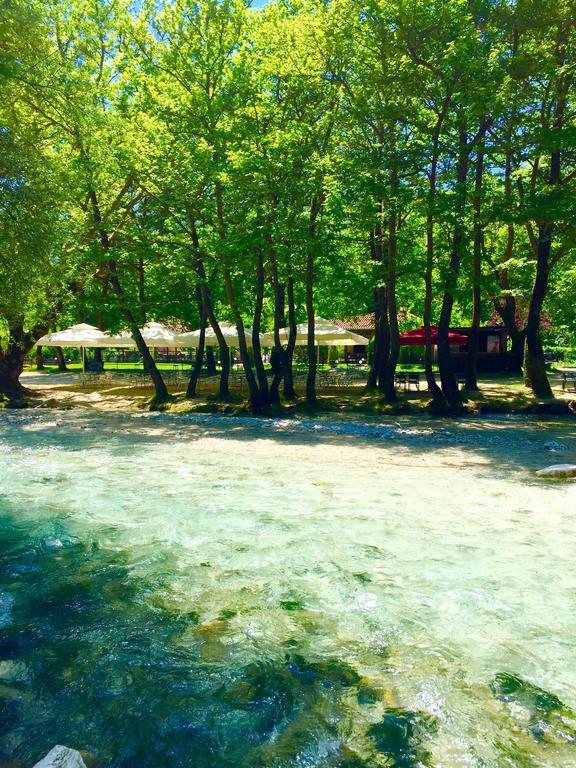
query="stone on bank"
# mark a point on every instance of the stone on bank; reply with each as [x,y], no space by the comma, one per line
[558,471]
[62,757]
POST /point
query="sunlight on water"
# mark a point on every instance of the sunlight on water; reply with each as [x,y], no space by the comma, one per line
[219,592]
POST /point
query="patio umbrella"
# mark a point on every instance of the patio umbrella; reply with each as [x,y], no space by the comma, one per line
[417,337]
[326,334]
[154,334]
[229,331]
[80,335]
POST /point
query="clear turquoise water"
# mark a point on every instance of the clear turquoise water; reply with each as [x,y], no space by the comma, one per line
[206,592]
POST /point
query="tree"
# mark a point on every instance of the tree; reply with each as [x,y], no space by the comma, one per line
[71,89]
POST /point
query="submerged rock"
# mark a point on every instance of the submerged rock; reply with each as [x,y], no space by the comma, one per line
[552,445]
[558,471]
[547,717]
[62,757]
[401,736]
[6,604]
[12,671]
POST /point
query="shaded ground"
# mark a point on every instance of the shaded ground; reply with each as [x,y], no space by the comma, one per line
[497,394]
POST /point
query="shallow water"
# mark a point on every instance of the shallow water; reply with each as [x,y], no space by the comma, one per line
[235,592]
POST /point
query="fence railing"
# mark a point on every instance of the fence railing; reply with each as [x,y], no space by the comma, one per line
[140,379]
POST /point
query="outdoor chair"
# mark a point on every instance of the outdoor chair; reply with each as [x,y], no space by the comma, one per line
[414,378]
[88,379]
[400,380]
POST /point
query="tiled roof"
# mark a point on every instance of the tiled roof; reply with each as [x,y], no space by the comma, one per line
[358,323]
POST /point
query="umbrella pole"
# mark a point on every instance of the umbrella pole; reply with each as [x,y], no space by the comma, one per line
[83,354]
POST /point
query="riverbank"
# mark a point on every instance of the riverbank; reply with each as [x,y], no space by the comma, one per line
[497,395]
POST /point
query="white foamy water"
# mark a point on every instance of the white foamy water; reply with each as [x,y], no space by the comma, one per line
[425,556]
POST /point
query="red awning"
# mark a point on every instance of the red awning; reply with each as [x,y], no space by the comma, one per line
[417,338]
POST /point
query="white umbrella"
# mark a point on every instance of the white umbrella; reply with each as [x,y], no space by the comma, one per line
[326,334]
[154,334]
[80,335]
[229,331]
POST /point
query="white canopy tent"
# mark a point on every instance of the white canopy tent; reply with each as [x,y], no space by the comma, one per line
[154,334]
[229,331]
[326,334]
[80,335]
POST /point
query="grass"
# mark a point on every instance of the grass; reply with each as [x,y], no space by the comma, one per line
[124,367]
[138,367]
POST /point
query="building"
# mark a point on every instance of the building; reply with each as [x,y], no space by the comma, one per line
[493,355]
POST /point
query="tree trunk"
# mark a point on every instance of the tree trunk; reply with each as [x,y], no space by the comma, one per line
[389,385]
[447,375]
[506,305]
[438,400]
[62,368]
[472,359]
[112,275]
[517,350]
[100,321]
[315,206]
[256,348]
[372,381]
[141,290]
[223,387]
[384,336]
[210,362]
[11,366]
[256,400]
[289,391]
[197,368]
[12,359]
[278,355]
[535,367]
[39,359]
[160,388]
[506,308]
[381,323]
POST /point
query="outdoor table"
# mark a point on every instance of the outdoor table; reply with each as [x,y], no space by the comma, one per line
[568,378]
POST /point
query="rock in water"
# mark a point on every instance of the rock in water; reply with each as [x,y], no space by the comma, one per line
[6,603]
[61,757]
[552,445]
[558,471]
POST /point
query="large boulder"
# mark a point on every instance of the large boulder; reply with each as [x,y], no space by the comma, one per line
[61,757]
[558,471]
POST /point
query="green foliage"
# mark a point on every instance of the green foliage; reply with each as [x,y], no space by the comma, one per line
[189,130]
